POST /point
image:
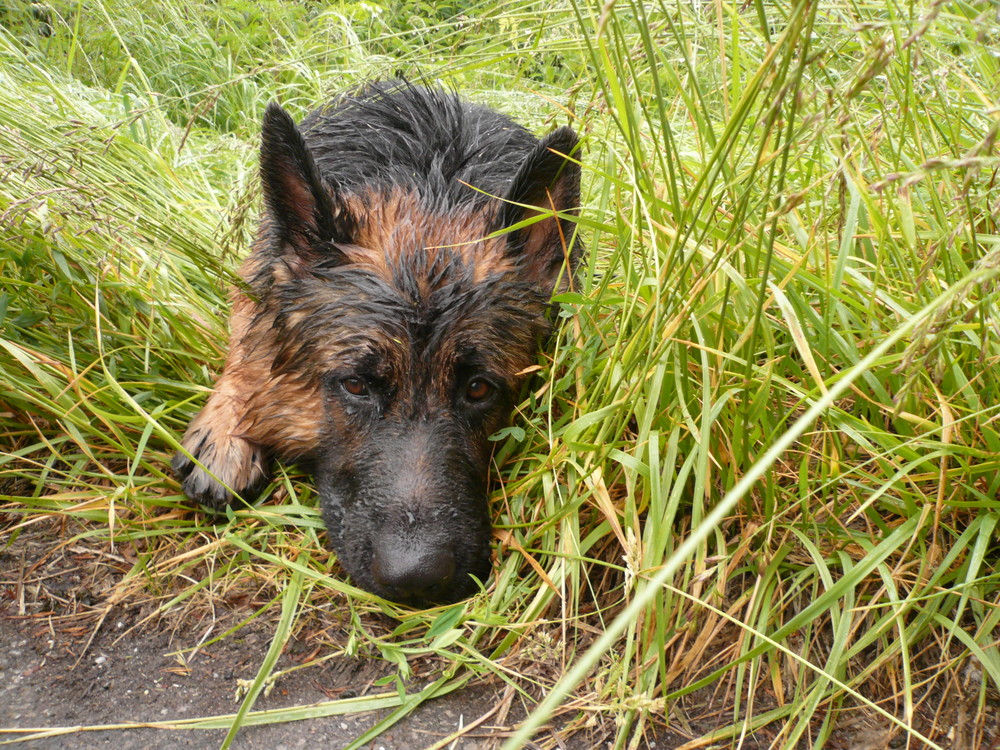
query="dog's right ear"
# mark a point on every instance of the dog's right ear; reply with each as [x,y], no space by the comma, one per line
[550,181]
[305,208]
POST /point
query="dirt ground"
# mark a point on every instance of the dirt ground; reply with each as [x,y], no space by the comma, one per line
[67,672]
[59,670]
[137,680]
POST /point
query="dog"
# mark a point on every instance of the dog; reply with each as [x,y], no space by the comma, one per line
[396,295]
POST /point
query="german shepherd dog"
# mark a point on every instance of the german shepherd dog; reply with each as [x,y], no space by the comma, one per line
[396,295]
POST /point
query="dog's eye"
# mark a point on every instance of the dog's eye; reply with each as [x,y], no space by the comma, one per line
[355,386]
[478,389]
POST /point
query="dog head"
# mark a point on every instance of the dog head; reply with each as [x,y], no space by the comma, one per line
[410,321]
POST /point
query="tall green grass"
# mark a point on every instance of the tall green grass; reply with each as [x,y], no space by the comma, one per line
[759,470]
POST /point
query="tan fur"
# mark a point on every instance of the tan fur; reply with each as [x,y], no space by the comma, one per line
[397,224]
[235,461]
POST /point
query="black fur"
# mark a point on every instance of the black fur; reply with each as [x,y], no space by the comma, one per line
[396,135]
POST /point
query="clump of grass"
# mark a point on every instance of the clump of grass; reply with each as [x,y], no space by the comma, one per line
[760,464]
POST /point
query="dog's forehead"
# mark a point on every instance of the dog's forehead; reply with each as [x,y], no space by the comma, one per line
[448,313]
[421,257]
[415,315]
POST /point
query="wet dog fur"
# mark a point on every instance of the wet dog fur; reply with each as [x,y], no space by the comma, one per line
[398,289]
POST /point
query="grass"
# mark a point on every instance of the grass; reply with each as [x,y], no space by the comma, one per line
[759,470]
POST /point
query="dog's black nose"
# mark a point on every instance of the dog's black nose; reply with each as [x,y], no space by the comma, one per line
[413,572]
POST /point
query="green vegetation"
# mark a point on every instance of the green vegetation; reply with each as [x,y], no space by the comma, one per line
[760,467]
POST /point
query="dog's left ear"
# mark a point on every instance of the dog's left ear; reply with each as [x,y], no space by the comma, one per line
[546,182]
[307,210]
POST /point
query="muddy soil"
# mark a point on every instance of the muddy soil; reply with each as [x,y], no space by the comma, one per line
[70,665]
[137,679]
[65,665]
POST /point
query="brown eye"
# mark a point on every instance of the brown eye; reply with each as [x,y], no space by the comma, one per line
[478,390]
[355,386]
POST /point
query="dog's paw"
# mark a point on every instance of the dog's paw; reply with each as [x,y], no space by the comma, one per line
[235,467]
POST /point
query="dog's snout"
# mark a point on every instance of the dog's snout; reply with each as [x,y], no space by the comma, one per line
[413,572]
